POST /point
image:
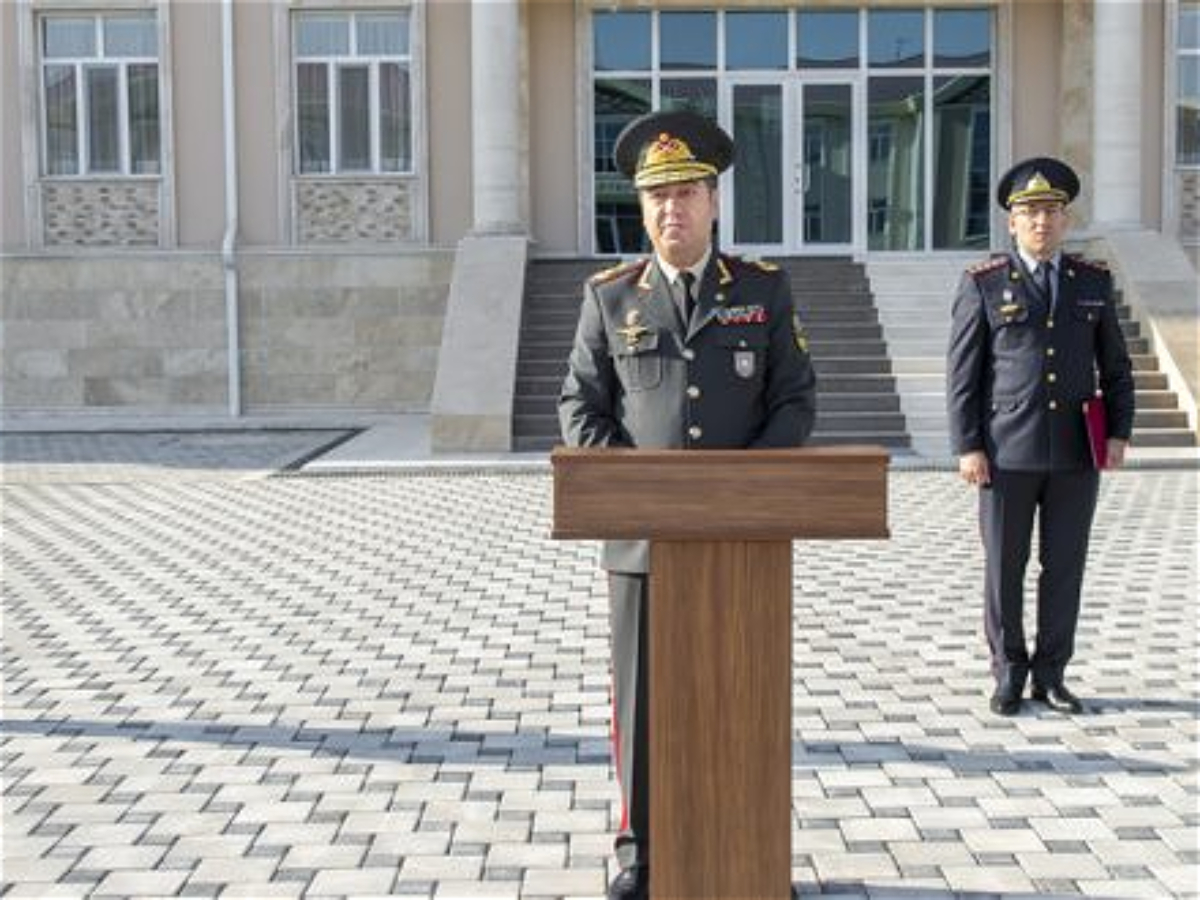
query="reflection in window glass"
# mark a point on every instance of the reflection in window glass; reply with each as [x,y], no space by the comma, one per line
[687,40]
[696,94]
[896,39]
[143,119]
[65,38]
[103,124]
[758,164]
[354,118]
[382,35]
[1187,120]
[618,220]
[312,94]
[961,162]
[322,35]
[62,121]
[895,178]
[827,40]
[962,37]
[130,36]
[1189,26]
[829,163]
[621,41]
[756,40]
[394,118]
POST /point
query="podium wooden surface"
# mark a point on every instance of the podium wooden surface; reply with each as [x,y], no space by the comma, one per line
[721,524]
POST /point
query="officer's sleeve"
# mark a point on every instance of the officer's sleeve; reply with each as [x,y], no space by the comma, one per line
[1115,369]
[586,402]
[791,388]
[965,361]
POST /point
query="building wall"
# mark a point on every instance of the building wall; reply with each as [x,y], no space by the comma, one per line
[448,108]
[195,85]
[146,332]
[555,127]
[12,198]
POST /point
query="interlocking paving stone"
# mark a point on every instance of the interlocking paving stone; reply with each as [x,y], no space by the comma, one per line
[222,684]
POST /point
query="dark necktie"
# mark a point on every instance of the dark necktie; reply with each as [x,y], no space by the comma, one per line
[1043,275]
[689,298]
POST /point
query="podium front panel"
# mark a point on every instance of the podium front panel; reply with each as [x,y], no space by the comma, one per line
[720,713]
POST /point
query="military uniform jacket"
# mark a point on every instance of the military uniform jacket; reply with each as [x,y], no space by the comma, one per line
[1017,376]
[738,375]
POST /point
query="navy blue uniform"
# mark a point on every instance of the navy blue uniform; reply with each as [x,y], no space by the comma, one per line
[736,375]
[1018,374]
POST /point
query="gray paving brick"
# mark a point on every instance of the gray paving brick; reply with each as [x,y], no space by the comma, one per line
[274,685]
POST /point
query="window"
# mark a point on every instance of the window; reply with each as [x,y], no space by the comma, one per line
[1187,95]
[100,95]
[353,93]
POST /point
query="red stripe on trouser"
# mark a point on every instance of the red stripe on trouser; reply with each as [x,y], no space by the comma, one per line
[616,742]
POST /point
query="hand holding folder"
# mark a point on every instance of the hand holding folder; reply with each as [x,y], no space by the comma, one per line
[1095,418]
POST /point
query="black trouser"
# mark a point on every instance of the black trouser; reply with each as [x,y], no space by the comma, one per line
[1065,502]
[628,602]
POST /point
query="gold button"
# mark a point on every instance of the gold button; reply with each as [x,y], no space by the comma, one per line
[695,432]
[1052,378]
[693,392]
[1054,404]
[1049,323]
[1049,351]
[689,354]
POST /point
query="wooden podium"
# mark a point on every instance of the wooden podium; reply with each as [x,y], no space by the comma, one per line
[720,523]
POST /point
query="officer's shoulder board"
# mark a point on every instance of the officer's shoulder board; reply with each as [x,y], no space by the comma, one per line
[625,270]
[734,263]
[992,264]
[1095,265]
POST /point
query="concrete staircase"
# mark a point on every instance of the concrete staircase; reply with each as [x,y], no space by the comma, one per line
[857,400]
[913,297]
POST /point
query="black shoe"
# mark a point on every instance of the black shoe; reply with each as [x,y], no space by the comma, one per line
[1006,702]
[632,884]
[1057,697]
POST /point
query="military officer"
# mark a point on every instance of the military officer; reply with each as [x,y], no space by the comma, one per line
[1034,334]
[687,348]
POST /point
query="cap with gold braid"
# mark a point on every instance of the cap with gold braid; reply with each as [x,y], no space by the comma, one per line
[1038,178]
[669,147]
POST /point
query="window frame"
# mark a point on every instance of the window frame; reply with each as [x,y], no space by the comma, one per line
[1174,99]
[334,65]
[81,66]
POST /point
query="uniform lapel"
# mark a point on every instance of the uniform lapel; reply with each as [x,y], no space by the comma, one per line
[656,296]
[1034,296]
[714,287]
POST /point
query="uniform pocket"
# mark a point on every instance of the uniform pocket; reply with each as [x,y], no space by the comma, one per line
[746,352]
[639,365]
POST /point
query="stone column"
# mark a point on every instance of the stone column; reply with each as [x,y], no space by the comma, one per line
[495,116]
[1117,121]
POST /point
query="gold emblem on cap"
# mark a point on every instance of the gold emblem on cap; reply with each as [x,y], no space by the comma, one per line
[669,159]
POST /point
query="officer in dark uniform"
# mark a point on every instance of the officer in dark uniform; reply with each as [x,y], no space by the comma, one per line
[688,348]
[1035,335]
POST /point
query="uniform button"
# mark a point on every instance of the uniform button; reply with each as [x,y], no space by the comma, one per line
[1052,378]
[689,354]
[1049,351]
[1049,323]
[1054,404]
[695,432]
[693,392]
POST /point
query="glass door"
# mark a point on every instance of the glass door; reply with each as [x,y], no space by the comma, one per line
[825,192]
[754,211]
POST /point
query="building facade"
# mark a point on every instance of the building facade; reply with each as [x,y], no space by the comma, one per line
[248,207]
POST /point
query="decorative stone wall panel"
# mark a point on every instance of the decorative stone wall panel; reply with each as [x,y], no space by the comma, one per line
[342,212]
[100,213]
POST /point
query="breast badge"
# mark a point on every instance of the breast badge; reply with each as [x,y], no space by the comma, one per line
[634,330]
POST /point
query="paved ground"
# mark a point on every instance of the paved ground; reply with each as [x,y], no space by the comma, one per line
[219,683]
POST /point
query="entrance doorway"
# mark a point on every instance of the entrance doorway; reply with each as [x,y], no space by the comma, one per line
[796,182]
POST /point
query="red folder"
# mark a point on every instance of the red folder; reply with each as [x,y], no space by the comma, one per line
[1096,420]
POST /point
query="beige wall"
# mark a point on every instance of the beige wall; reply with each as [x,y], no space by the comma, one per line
[1153,127]
[554,124]
[448,105]
[258,129]
[12,199]
[1036,85]
[199,141]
